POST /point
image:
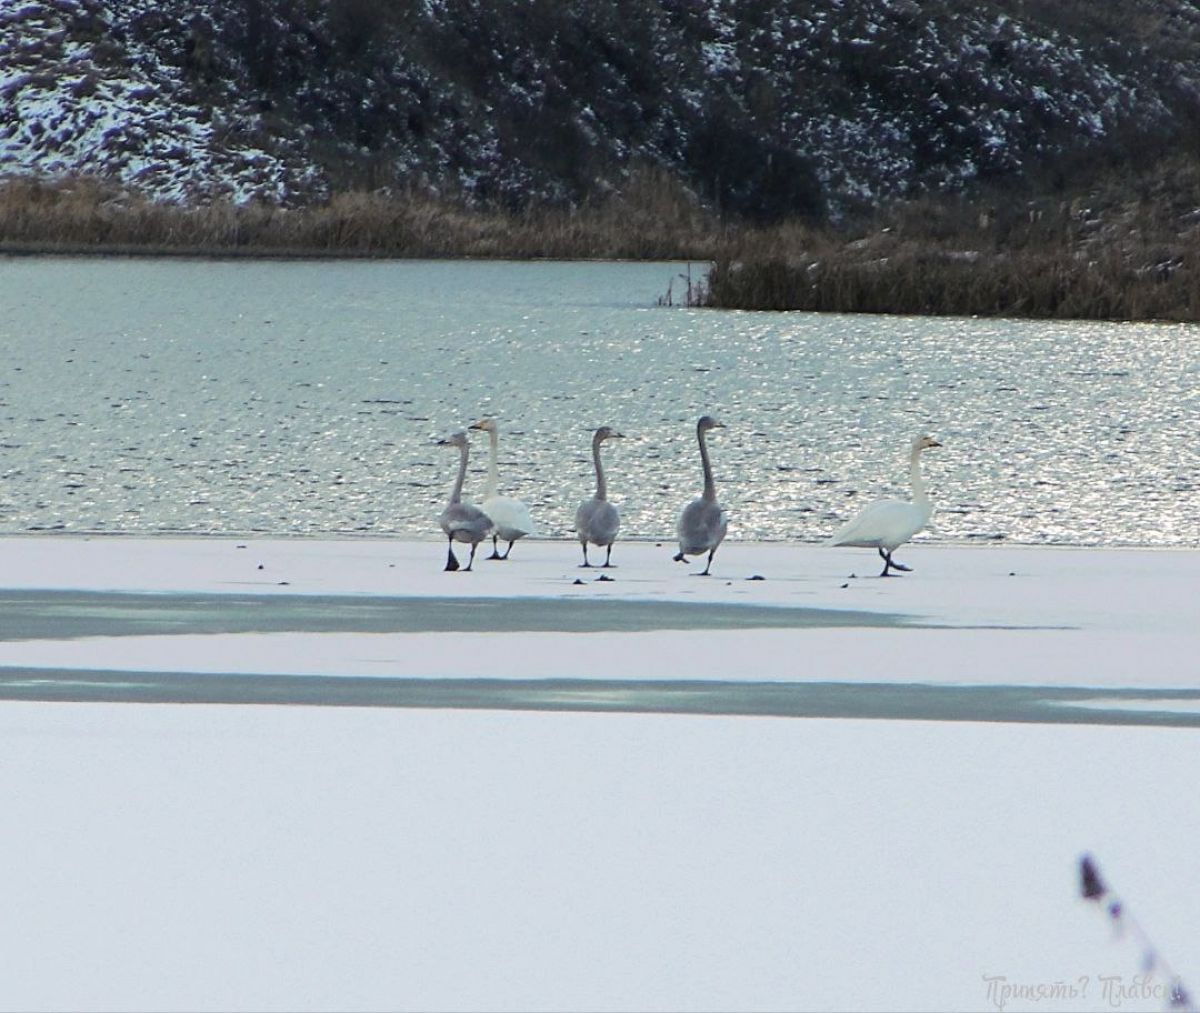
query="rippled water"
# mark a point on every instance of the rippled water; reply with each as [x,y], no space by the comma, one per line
[237,397]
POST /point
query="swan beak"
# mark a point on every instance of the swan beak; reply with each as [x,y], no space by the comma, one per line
[933,443]
[475,425]
[618,436]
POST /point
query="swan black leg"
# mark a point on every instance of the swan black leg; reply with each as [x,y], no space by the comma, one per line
[451,562]
[495,551]
[889,563]
[467,568]
[608,555]
[585,562]
[506,552]
[678,557]
[711,553]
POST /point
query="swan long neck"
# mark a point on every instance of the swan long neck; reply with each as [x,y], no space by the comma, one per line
[601,485]
[456,492]
[493,477]
[710,487]
[914,471]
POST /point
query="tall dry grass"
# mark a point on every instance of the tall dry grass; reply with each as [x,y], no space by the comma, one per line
[1129,252]
[651,218]
[1041,285]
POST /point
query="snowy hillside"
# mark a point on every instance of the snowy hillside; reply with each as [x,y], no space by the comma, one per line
[98,88]
[765,109]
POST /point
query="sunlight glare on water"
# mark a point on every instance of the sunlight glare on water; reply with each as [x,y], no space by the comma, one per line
[306,397]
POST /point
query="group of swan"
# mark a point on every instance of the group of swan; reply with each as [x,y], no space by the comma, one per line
[501,516]
[884,525]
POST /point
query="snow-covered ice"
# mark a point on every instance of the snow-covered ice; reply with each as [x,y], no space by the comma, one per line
[269,857]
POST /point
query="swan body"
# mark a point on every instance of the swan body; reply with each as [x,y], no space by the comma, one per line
[887,524]
[510,516]
[462,522]
[702,523]
[597,520]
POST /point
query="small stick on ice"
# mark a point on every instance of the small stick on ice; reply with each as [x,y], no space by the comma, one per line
[1092,887]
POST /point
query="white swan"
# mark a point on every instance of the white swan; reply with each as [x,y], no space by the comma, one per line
[461,521]
[887,524]
[597,520]
[702,524]
[510,516]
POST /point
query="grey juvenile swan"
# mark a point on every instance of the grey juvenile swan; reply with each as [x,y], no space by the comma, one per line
[702,524]
[887,524]
[510,516]
[461,521]
[597,520]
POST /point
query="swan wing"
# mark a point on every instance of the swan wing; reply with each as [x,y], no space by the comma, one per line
[702,526]
[597,521]
[886,523]
[510,516]
[465,522]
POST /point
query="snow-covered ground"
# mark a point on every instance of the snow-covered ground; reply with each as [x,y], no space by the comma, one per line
[268,857]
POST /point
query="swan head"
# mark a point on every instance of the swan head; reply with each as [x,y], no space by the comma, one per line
[707,422]
[458,439]
[484,425]
[924,443]
[607,433]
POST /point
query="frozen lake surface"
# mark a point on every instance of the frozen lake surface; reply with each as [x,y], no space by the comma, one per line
[84,617]
[155,396]
[507,789]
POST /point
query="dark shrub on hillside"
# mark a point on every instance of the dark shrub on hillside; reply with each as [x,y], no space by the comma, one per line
[751,177]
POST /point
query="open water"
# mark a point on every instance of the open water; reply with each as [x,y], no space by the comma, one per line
[306,397]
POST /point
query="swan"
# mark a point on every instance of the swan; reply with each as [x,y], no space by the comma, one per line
[461,521]
[510,516]
[702,524]
[597,520]
[887,524]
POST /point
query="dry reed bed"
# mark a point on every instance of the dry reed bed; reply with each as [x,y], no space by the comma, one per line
[85,216]
[1052,285]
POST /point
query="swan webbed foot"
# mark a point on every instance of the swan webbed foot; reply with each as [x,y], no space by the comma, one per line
[901,566]
[496,555]
[451,562]
[678,557]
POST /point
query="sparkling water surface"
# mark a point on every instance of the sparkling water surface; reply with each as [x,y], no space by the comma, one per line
[302,397]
